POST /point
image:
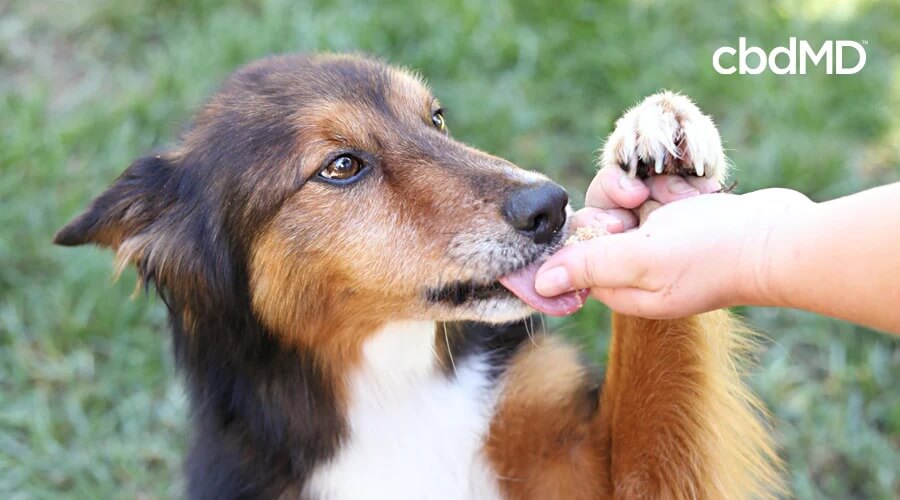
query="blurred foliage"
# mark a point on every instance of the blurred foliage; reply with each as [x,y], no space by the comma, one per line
[89,404]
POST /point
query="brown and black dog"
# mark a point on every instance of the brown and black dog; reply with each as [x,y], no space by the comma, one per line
[349,291]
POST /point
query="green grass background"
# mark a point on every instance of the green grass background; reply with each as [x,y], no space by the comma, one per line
[89,403]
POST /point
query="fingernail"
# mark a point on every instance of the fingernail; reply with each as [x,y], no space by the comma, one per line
[606,221]
[628,183]
[553,282]
[710,185]
[679,186]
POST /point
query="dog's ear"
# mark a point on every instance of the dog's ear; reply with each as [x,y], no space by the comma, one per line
[156,217]
[137,198]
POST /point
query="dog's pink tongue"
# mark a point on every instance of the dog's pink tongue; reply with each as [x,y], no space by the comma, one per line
[521,283]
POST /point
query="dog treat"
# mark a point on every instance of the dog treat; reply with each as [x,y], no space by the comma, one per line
[586,233]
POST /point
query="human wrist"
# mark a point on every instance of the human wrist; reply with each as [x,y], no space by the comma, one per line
[768,256]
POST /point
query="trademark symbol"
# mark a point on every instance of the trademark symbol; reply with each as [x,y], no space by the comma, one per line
[865,42]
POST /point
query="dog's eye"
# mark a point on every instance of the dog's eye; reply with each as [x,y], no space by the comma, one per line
[342,168]
[437,118]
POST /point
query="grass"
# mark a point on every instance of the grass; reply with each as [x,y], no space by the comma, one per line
[89,404]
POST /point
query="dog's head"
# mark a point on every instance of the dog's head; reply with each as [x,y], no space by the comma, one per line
[327,188]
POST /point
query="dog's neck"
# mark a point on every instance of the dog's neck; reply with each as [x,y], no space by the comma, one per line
[399,353]
[265,414]
[270,412]
[412,425]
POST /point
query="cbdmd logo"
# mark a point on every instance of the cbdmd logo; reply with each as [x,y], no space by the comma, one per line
[786,60]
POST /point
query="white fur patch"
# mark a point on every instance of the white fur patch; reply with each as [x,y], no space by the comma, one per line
[413,431]
[527,175]
[650,131]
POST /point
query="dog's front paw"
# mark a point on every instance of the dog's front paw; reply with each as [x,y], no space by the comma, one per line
[666,134]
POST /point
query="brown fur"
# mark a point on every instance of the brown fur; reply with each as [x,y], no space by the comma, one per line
[282,269]
[541,440]
[674,420]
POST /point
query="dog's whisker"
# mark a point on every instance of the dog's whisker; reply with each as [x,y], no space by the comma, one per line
[530,322]
[449,350]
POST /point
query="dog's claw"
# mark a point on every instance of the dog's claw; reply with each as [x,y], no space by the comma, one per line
[666,134]
[632,166]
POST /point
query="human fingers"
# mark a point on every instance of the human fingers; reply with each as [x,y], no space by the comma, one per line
[612,187]
[704,184]
[668,188]
[608,262]
[613,220]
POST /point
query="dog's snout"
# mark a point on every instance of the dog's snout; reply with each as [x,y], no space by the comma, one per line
[537,210]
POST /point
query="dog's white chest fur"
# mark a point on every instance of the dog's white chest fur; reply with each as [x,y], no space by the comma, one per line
[413,432]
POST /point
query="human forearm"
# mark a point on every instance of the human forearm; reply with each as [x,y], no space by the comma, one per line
[839,258]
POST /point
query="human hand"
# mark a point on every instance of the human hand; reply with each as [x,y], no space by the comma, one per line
[694,255]
[614,193]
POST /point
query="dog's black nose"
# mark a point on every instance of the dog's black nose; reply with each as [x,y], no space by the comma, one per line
[537,210]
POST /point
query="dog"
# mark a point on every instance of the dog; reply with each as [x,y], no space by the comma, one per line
[350,294]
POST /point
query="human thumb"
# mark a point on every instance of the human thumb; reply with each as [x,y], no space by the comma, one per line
[604,262]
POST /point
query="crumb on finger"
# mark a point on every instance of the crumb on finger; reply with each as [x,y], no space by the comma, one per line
[586,233]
